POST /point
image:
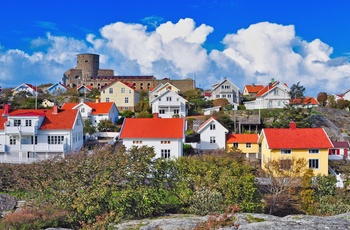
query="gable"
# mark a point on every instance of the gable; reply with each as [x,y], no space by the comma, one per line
[169,93]
[207,123]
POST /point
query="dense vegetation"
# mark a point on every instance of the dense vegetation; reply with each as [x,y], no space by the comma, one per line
[90,190]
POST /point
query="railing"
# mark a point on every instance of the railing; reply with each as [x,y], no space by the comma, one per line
[21,130]
[18,160]
[340,181]
[169,103]
[37,147]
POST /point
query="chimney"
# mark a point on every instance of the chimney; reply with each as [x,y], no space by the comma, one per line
[293,125]
[155,115]
[55,109]
[6,109]
[97,100]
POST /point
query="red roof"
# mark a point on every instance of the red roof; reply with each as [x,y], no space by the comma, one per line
[64,119]
[208,94]
[341,144]
[97,108]
[297,138]
[31,86]
[242,138]
[153,128]
[254,88]
[130,85]
[305,101]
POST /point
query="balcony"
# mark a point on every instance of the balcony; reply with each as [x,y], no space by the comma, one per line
[17,160]
[169,104]
[37,148]
[25,130]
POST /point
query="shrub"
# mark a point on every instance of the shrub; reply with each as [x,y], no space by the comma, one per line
[205,201]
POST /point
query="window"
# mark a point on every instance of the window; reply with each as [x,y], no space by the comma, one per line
[224,96]
[235,145]
[28,122]
[56,140]
[286,164]
[248,145]
[279,104]
[314,151]
[110,90]
[141,85]
[275,92]
[286,151]
[123,90]
[168,98]
[82,110]
[12,140]
[176,111]
[212,126]
[17,122]
[313,163]
[165,142]
[212,140]
[217,96]
[333,151]
[34,140]
[126,100]
[161,111]
[165,153]
[107,99]
[229,95]
[137,142]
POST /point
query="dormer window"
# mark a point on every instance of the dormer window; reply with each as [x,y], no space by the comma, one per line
[82,110]
[212,126]
[168,98]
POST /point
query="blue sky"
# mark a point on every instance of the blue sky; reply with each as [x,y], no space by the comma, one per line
[244,40]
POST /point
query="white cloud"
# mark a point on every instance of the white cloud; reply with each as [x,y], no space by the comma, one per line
[176,50]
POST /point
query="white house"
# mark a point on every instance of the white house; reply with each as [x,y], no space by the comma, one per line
[339,151]
[56,89]
[169,104]
[29,135]
[47,103]
[95,111]
[160,89]
[165,135]
[211,110]
[225,89]
[212,135]
[274,95]
[25,87]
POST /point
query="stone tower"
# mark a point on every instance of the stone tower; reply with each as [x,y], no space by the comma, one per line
[89,64]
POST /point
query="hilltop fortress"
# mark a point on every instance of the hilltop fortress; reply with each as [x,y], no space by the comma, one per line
[88,73]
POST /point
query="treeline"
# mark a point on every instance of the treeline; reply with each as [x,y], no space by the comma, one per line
[90,191]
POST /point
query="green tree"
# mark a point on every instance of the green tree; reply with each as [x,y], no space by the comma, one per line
[106,125]
[297,91]
[142,106]
[88,127]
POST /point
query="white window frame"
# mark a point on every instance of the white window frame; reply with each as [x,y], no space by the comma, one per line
[314,162]
[314,151]
[286,151]
[248,145]
[212,140]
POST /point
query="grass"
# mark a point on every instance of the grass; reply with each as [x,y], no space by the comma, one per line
[253,219]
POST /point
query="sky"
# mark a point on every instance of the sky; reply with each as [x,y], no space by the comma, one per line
[245,41]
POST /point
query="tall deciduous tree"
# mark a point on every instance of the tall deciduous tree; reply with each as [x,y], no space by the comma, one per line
[322,98]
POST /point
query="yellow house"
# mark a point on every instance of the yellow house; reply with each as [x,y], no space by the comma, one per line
[122,94]
[247,143]
[311,144]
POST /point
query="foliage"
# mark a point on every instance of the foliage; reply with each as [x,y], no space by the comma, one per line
[343,104]
[88,127]
[325,185]
[205,201]
[144,114]
[296,91]
[222,102]
[126,113]
[322,98]
[241,107]
[282,178]
[187,150]
[221,221]
[106,125]
[192,94]
[283,117]
[225,120]
[331,102]
[142,106]
[307,192]
[94,93]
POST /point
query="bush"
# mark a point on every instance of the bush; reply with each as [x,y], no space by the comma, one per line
[205,201]
[241,107]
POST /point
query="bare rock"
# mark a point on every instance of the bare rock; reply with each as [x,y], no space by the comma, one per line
[7,202]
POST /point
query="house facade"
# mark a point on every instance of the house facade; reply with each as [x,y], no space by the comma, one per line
[28,135]
[212,135]
[247,143]
[226,89]
[274,95]
[95,111]
[165,135]
[122,94]
[56,89]
[286,144]
[160,89]
[339,151]
[25,87]
[169,104]
[251,90]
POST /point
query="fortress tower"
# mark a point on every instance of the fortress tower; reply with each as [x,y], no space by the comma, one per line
[89,65]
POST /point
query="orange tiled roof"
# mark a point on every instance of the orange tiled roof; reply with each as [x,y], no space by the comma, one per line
[254,88]
[242,138]
[305,101]
[297,138]
[153,128]
[97,108]
[64,119]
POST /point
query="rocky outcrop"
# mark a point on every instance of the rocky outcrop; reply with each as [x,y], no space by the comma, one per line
[245,221]
[7,202]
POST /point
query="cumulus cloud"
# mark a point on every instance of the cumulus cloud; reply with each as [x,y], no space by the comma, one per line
[176,50]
